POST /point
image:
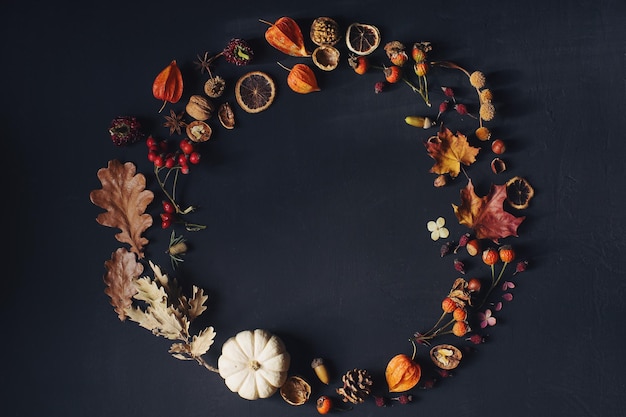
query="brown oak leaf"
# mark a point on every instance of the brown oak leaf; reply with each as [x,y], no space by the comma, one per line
[486,214]
[450,151]
[125,198]
[122,270]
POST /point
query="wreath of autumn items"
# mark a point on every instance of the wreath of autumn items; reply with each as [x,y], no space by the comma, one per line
[255,363]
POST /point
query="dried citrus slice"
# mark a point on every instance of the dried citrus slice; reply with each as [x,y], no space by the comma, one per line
[362,39]
[519,192]
[255,91]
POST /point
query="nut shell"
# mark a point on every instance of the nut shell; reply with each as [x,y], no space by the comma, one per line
[326,57]
[226,116]
[199,107]
[198,131]
[295,391]
[446,356]
[325,31]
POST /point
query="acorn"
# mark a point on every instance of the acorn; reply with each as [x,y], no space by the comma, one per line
[320,370]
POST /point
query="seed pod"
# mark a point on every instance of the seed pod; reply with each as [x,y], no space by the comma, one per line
[320,370]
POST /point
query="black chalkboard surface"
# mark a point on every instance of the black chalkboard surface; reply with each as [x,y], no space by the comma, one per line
[316,208]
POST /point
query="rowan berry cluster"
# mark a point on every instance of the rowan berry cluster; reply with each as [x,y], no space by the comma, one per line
[162,156]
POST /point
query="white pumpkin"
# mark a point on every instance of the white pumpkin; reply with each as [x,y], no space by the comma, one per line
[254,364]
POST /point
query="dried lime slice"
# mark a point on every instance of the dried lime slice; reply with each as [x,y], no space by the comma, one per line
[255,91]
[362,39]
[519,192]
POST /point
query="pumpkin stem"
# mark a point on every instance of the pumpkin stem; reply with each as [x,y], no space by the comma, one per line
[202,362]
[255,365]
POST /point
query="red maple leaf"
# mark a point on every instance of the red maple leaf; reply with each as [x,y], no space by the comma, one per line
[485,215]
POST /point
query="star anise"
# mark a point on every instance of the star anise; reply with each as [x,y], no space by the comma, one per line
[204,62]
[175,122]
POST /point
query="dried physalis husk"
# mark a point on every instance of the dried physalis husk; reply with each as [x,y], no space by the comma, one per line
[301,79]
[296,391]
[446,356]
[199,131]
[402,373]
[226,116]
[326,57]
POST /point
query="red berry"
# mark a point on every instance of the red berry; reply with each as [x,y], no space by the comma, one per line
[186,146]
[159,161]
[163,146]
[152,156]
[182,159]
[184,169]
[167,217]
[194,157]
[165,224]
[150,142]
[170,162]
[168,207]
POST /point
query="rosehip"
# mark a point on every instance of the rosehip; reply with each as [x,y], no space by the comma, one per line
[167,217]
[448,305]
[459,314]
[186,146]
[150,142]
[490,256]
[460,328]
[323,404]
[507,254]
[420,68]
[159,161]
[393,74]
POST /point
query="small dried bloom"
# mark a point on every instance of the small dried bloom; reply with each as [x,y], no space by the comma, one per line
[477,79]
[487,111]
[437,229]
[486,95]
[486,319]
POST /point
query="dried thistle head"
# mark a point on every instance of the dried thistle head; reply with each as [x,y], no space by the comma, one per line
[487,111]
[477,79]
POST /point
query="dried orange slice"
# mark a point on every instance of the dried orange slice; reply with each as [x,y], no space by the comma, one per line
[362,39]
[255,91]
[519,192]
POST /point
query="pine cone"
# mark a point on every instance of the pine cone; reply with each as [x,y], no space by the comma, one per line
[357,385]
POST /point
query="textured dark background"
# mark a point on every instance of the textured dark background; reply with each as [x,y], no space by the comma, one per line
[316,208]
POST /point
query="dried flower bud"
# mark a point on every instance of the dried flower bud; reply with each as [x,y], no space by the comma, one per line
[462,242]
[448,92]
[486,96]
[459,266]
[520,267]
[445,249]
[477,79]
[460,109]
[487,111]
[379,87]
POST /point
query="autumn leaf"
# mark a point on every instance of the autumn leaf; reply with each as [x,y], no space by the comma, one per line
[201,343]
[450,151]
[485,215]
[122,270]
[125,198]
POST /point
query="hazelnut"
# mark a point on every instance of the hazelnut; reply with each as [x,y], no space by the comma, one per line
[200,108]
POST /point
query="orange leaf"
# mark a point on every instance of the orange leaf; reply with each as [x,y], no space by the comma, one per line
[168,84]
[450,151]
[122,270]
[125,198]
[286,36]
[486,214]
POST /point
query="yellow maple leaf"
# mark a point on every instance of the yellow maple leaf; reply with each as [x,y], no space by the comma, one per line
[450,151]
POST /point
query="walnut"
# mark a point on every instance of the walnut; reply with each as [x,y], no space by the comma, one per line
[199,107]
[325,31]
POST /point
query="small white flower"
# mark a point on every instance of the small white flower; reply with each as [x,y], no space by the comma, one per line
[437,229]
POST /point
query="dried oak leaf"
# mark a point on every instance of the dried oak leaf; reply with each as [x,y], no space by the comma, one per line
[485,215]
[450,151]
[122,271]
[125,198]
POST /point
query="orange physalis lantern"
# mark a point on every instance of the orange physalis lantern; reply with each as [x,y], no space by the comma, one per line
[402,373]
[286,36]
[168,85]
